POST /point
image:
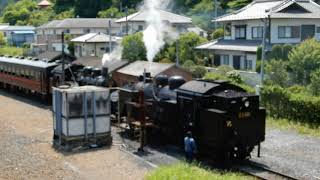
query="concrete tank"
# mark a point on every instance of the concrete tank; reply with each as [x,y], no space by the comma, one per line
[81,116]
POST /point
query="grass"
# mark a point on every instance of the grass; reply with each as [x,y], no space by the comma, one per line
[301,128]
[13,51]
[185,171]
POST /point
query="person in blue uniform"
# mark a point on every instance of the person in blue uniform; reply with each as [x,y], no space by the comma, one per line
[190,147]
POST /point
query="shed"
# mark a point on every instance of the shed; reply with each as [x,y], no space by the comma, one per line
[130,73]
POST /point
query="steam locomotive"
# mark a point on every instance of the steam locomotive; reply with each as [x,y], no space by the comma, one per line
[225,120]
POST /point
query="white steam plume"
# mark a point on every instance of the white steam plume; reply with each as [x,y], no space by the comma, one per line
[115,55]
[154,34]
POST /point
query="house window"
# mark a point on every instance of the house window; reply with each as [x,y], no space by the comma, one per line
[140,28]
[240,32]
[87,30]
[249,64]
[318,30]
[225,59]
[257,32]
[289,31]
[67,31]
[227,29]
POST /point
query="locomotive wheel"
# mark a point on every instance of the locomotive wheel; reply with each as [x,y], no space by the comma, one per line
[241,152]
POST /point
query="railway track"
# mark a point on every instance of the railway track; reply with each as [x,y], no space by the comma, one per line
[261,172]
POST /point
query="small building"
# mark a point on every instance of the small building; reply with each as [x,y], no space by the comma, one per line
[94,44]
[286,22]
[130,73]
[137,22]
[18,35]
[44,4]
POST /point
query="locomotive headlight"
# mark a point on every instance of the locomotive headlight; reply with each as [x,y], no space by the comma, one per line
[247,104]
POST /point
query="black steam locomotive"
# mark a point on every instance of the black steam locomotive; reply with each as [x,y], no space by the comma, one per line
[225,120]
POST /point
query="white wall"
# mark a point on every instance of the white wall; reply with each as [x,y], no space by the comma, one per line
[290,22]
[275,23]
[243,55]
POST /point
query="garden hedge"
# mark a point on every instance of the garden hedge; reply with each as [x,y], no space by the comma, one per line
[283,103]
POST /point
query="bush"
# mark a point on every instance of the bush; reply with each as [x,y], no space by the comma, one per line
[235,77]
[303,60]
[281,103]
[133,47]
[218,33]
[224,69]
[315,82]
[277,72]
[199,71]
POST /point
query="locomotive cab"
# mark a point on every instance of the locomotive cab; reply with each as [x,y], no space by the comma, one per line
[226,121]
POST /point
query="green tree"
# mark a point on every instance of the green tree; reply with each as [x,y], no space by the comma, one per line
[3,40]
[187,43]
[65,14]
[315,82]
[111,13]
[133,47]
[218,33]
[277,72]
[19,12]
[303,60]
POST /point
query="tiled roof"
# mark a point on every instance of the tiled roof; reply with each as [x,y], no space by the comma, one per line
[95,38]
[137,68]
[18,28]
[259,9]
[141,16]
[232,45]
[80,23]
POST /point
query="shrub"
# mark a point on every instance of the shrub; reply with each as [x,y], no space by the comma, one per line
[235,77]
[303,60]
[224,69]
[199,71]
[281,103]
[218,33]
[277,72]
[315,82]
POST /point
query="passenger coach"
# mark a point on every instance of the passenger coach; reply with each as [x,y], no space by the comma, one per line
[29,75]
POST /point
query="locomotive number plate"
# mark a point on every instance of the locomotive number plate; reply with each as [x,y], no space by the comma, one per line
[244,115]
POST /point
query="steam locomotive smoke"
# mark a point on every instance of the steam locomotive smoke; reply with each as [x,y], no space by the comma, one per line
[115,55]
[153,36]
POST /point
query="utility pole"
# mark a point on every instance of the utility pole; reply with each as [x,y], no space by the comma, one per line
[215,13]
[177,53]
[63,63]
[127,27]
[110,38]
[263,54]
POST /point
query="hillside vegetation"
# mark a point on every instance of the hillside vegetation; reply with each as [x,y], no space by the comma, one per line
[26,12]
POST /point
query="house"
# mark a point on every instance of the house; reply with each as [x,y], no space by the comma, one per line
[48,36]
[286,22]
[137,22]
[18,35]
[94,44]
[130,73]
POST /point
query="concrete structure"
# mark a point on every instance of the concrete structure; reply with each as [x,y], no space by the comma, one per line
[287,22]
[18,35]
[137,22]
[130,73]
[48,36]
[94,44]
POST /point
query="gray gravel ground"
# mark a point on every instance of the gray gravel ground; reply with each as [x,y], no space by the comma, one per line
[26,149]
[290,153]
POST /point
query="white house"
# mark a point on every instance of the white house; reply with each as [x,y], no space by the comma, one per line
[94,44]
[48,36]
[137,22]
[287,22]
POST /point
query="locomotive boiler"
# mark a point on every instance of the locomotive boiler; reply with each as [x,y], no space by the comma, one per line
[225,120]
